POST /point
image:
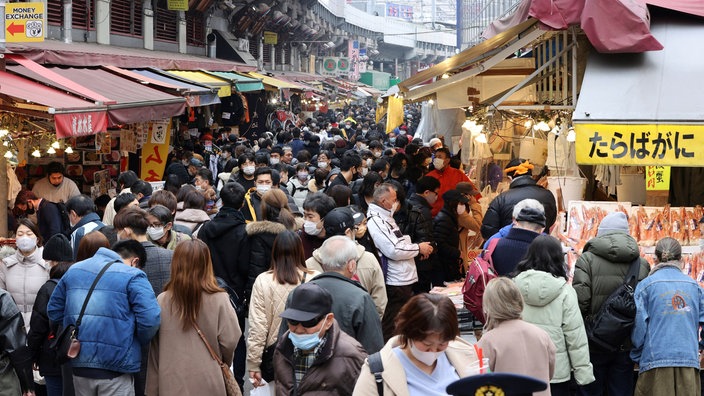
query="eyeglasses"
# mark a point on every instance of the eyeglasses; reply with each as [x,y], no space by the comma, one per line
[308,323]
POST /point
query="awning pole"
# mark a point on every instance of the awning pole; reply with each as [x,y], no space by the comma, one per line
[3,196]
[2,32]
[574,68]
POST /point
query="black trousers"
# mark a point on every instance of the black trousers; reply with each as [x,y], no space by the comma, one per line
[398,296]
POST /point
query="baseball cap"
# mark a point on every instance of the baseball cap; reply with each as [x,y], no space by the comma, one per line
[496,384]
[308,301]
[531,215]
[454,195]
[337,221]
[196,162]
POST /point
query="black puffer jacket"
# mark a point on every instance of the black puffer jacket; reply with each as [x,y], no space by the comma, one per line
[40,330]
[261,241]
[447,235]
[500,212]
[420,212]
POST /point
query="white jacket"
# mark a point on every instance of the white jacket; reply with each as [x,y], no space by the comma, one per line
[22,277]
[392,244]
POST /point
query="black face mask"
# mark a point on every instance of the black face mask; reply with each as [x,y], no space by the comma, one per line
[30,210]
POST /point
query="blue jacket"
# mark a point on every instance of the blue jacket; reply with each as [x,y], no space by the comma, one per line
[122,315]
[669,309]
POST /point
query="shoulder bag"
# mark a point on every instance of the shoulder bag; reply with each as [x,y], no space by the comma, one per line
[231,386]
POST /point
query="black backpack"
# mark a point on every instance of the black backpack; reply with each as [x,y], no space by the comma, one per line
[65,222]
[612,325]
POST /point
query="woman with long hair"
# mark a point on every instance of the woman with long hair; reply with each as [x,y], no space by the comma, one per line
[269,293]
[89,245]
[512,344]
[192,303]
[551,304]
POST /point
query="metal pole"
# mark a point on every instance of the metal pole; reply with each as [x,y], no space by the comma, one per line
[3,196]
[2,31]
[68,21]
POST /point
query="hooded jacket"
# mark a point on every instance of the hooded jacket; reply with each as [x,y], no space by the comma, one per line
[192,218]
[602,268]
[261,236]
[369,275]
[551,304]
[227,241]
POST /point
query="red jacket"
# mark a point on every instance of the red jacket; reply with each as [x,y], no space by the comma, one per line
[449,177]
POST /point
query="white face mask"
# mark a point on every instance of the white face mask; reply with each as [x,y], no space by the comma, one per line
[438,163]
[311,228]
[322,164]
[461,209]
[365,171]
[155,233]
[263,188]
[369,162]
[394,208]
[377,154]
[427,358]
[248,170]
[274,161]
[302,176]
[26,244]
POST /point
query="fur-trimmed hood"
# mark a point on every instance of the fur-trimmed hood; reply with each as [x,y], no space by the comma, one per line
[264,227]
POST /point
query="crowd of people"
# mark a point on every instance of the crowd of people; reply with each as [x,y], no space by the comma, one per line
[324,240]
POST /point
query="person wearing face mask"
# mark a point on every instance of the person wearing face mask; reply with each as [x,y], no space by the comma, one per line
[324,160]
[447,234]
[245,175]
[397,253]
[24,273]
[348,170]
[48,213]
[226,163]
[263,182]
[314,355]
[161,231]
[55,187]
[426,354]
[81,214]
[447,175]
[427,192]
[470,222]
[315,207]
[342,222]
[298,185]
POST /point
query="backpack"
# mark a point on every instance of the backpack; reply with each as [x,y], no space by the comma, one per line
[65,222]
[376,366]
[612,325]
[479,273]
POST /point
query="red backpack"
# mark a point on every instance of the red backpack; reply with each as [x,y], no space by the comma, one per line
[479,273]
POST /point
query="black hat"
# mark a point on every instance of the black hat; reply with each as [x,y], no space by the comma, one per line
[466,188]
[496,384]
[531,215]
[58,248]
[357,216]
[308,301]
[454,196]
[337,221]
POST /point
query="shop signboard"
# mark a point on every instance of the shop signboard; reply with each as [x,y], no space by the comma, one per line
[24,22]
[80,124]
[640,144]
[177,5]
[155,150]
[657,178]
[335,66]
[271,38]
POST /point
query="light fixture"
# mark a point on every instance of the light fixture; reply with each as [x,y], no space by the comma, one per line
[36,153]
[469,124]
[8,154]
[481,138]
[571,136]
[56,145]
[4,132]
[528,124]
[51,150]
[431,102]
[445,76]
[68,150]
[542,126]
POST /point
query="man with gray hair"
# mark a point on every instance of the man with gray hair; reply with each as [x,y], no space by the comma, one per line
[526,203]
[528,223]
[352,305]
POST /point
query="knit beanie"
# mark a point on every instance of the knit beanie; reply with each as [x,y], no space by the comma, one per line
[613,222]
[58,248]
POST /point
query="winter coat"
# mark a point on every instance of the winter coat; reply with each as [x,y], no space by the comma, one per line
[252,208]
[518,347]
[369,275]
[14,362]
[229,247]
[551,304]
[447,234]
[394,245]
[23,276]
[459,352]
[267,302]
[179,362]
[261,236]
[49,219]
[448,177]
[422,211]
[158,265]
[602,268]
[175,238]
[332,373]
[89,222]
[40,330]
[510,250]
[298,190]
[470,223]
[500,211]
[112,335]
[353,308]
[192,218]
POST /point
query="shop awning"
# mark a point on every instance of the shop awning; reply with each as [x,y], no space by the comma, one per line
[72,116]
[272,82]
[646,108]
[242,83]
[128,101]
[196,95]
[227,46]
[200,77]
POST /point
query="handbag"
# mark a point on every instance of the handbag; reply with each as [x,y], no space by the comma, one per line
[267,365]
[66,343]
[612,325]
[231,386]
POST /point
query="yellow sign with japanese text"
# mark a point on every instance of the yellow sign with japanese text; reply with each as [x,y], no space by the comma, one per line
[24,22]
[271,38]
[640,144]
[177,5]
[155,150]
[657,178]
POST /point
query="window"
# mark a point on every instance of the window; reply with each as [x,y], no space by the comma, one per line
[254,46]
[83,15]
[55,12]
[195,29]
[126,17]
[166,25]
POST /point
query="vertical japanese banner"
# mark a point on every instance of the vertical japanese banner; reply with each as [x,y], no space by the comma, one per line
[353,54]
[155,150]
[657,178]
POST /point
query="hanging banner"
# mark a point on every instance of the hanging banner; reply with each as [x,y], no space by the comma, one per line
[640,144]
[271,38]
[657,178]
[155,150]
[80,124]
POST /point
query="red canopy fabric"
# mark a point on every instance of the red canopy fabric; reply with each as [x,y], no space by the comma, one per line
[695,7]
[618,26]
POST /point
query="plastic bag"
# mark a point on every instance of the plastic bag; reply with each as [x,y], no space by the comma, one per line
[264,390]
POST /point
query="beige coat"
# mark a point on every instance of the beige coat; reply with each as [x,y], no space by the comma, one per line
[460,353]
[369,273]
[179,362]
[470,221]
[519,347]
[22,277]
[267,302]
